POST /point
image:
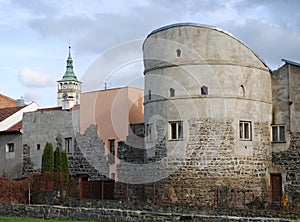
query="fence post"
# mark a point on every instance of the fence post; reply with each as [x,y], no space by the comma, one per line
[217,196]
[126,192]
[153,194]
[102,190]
[182,195]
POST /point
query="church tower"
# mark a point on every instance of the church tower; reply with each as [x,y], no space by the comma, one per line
[69,88]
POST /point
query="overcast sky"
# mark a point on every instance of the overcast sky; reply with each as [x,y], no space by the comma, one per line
[34,36]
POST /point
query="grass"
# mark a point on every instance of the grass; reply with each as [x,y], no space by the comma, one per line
[26,219]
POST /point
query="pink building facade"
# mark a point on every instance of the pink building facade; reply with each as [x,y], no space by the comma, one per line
[113,110]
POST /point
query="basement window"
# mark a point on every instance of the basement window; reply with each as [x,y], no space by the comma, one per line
[278,133]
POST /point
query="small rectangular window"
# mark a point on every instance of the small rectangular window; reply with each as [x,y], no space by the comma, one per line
[68,145]
[111,144]
[38,146]
[172,92]
[204,90]
[10,147]
[278,133]
[149,132]
[149,95]
[245,130]
[175,130]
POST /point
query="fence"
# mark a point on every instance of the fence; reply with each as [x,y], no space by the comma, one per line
[12,191]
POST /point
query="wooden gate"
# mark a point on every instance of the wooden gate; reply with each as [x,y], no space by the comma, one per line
[97,189]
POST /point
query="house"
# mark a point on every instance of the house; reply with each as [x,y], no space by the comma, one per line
[11,139]
[6,101]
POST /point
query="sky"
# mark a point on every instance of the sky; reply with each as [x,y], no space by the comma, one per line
[35,36]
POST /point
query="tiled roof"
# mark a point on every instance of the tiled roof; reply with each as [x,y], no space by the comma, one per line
[50,108]
[16,127]
[7,112]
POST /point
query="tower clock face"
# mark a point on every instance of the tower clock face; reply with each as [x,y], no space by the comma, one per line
[65,95]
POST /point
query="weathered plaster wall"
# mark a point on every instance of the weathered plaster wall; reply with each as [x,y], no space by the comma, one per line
[10,162]
[51,126]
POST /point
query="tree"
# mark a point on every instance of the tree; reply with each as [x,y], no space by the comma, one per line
[65,167]
[57,160]
[48,158]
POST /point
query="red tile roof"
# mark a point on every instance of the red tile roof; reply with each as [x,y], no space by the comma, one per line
[7,112]
[50,108]
[16,127]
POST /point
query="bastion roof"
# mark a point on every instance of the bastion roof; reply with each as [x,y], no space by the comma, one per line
[192,24]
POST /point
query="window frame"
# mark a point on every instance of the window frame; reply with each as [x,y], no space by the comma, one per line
[112,148]
[149,134]
[245,130]
[172,92]
[10,147]
[178,130]
[69,144]
[204,90]
[278,135]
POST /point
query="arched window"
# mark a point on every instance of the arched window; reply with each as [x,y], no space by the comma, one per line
[204,90]
[178,52]
[242,91]
[172,92]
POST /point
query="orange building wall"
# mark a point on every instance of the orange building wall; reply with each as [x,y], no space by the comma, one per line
[112,110]
[7,102]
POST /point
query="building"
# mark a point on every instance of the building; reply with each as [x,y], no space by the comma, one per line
[69,88]
[7,102]
[211,119]
[285,171]
[113,111]
[11,139]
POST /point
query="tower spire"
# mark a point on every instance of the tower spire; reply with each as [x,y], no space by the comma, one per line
[69,74]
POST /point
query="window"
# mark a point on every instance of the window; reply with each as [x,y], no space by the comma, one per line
[172,92]
[10,147]
[245,130]
[178,52]
[111,145]
[68,145]
[278,133]
[242,90]
[149,95]
[204,90]
[175,130]
[149,132]
[38,146]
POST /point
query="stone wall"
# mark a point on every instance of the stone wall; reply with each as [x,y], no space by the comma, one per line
[89,155]
[290,161]
[126,212]
[209,162]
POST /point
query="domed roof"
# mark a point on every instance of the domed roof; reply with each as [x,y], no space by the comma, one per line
[192,24]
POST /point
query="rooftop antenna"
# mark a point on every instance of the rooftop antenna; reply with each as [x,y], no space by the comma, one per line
[107,85]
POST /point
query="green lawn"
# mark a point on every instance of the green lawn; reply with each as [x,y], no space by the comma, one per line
[25,219]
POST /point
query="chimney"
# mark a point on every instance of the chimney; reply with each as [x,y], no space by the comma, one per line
[20,102]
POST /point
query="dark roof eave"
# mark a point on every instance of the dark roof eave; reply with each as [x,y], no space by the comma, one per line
[290,62]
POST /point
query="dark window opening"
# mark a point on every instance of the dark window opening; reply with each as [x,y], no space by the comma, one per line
[172,92]
[204,90]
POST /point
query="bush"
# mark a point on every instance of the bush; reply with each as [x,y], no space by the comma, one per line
[48,158]
[58,161]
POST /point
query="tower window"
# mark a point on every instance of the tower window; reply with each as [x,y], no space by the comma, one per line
[204,90]
[278,133]
[172,92]
[245,130]
[149,95]
[175,130]
[149,132]
[178,52]
[111,146]
[242,90]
